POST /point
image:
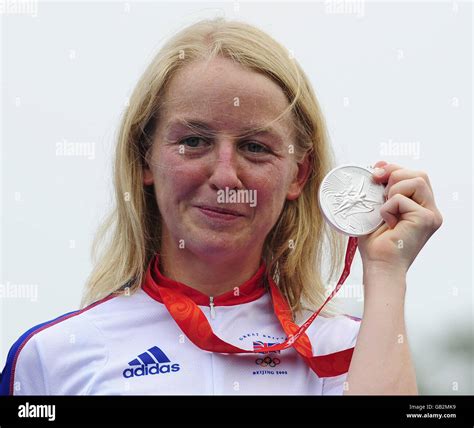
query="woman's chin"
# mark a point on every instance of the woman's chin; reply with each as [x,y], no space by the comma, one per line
[219,246]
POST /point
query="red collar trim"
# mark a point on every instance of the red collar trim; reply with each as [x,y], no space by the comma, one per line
[250,290]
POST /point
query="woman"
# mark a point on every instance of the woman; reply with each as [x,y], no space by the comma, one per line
[217,244]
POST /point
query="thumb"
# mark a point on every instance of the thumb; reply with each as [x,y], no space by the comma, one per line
[380,164]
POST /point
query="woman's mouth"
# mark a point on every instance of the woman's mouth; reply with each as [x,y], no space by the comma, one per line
[219,213]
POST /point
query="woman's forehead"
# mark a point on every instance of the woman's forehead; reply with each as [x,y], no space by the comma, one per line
[225,95]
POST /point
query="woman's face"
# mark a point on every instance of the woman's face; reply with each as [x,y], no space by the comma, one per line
[218,193]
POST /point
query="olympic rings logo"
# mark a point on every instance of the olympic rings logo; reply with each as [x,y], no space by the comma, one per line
[267,361]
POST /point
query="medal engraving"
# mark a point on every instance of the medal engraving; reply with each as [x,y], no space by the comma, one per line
[350,200]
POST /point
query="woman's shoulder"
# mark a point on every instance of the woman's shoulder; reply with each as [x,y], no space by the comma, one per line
[64,323]
[60,343]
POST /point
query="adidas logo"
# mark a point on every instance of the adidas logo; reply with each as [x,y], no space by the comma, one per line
[152,362]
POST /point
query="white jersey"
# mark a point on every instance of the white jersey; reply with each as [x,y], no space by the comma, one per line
[130,344]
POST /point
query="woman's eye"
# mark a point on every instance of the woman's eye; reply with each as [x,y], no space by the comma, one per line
[192,142]
[256,147]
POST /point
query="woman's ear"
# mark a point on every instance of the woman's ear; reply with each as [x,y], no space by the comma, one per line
[301,177]
[147,176]
[147,172]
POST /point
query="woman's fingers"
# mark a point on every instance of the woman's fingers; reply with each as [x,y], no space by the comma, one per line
[383,170]
[406,191]
[414,188]
[394,208]
[393,173]
[403,174]
[380,164]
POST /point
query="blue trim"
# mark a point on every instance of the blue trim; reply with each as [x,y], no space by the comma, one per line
[5,375]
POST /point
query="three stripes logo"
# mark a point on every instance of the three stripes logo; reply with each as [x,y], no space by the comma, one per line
[151,362]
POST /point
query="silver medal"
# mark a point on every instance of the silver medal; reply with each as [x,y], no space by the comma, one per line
[350,200]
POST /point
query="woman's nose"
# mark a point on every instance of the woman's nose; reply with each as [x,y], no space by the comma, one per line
[224,169]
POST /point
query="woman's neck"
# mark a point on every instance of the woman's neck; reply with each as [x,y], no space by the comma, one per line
[212,274]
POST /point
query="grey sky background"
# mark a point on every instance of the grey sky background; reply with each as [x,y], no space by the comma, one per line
[394,80]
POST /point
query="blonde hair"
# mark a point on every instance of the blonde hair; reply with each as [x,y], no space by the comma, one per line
[294,248]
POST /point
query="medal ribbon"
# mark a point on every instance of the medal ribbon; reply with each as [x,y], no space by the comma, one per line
[192,321]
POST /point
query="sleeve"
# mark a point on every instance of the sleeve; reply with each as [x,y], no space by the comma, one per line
[23,373]
[44,362]
[346,331]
